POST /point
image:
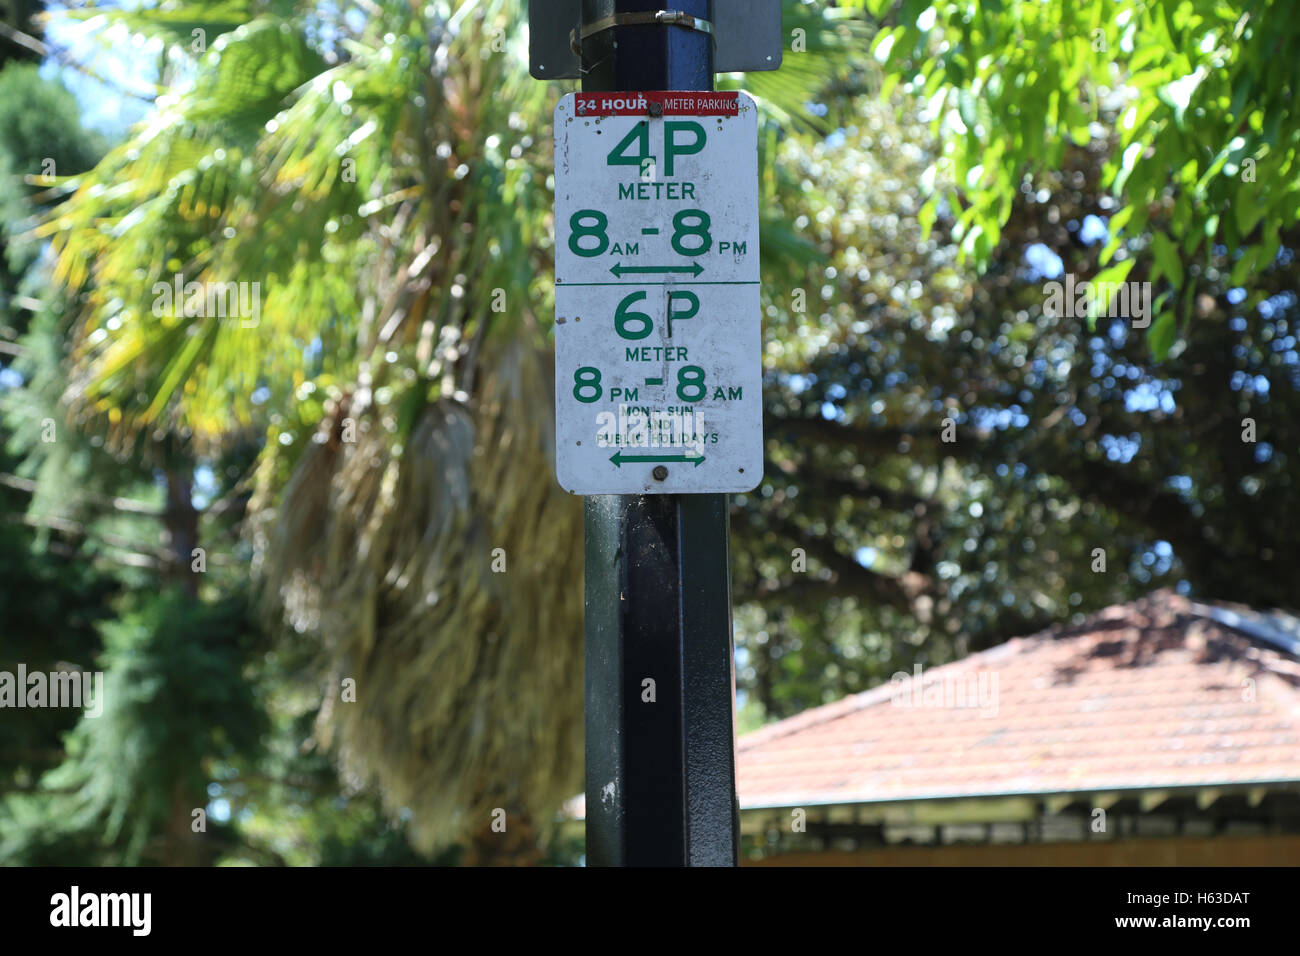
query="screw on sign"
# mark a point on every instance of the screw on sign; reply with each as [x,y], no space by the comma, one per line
[658,318]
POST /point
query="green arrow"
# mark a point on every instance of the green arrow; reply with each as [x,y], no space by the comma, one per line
[618,458]
[621,270]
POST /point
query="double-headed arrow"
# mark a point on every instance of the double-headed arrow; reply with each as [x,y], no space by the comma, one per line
[618,458]
[621,270]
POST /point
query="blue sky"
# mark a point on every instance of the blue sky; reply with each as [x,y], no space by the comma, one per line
[129,63]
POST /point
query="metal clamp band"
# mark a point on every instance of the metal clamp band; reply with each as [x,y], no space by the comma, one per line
[642,18]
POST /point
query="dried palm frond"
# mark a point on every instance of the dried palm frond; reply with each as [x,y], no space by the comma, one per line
[463,674]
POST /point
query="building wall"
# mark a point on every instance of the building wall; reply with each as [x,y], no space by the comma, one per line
[1280,850]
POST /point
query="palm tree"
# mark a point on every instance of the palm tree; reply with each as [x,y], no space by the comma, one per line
[376,179]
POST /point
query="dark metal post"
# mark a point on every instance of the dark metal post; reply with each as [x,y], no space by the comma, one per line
[660,776]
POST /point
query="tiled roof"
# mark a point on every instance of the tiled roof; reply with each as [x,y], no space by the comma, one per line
[1162,692]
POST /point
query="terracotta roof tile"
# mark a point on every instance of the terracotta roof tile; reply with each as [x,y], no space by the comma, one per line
[1160,692]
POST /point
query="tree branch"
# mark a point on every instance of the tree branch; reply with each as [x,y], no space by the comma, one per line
[118,504]
[849,577]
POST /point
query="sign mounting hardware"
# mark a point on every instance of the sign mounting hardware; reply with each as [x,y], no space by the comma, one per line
[671,18]
[746,35]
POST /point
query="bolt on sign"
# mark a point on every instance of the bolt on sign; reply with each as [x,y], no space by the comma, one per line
[658,346]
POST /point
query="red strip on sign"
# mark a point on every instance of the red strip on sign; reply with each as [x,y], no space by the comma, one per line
[673,103]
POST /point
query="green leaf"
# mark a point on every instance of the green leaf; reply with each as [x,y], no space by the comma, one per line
[1179,93]
[925,218]
[967,109]
[1128,163]
[1246,210]
[1244,266]
[1113,276]
[1161,335]
[1167,257]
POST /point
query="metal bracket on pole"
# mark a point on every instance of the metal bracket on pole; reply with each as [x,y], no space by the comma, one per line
[638,18]
[746,35]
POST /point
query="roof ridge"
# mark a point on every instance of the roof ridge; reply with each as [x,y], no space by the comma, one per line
[1168,599]
[1267,627]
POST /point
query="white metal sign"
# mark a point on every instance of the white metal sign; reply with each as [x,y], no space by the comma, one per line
[658,353]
